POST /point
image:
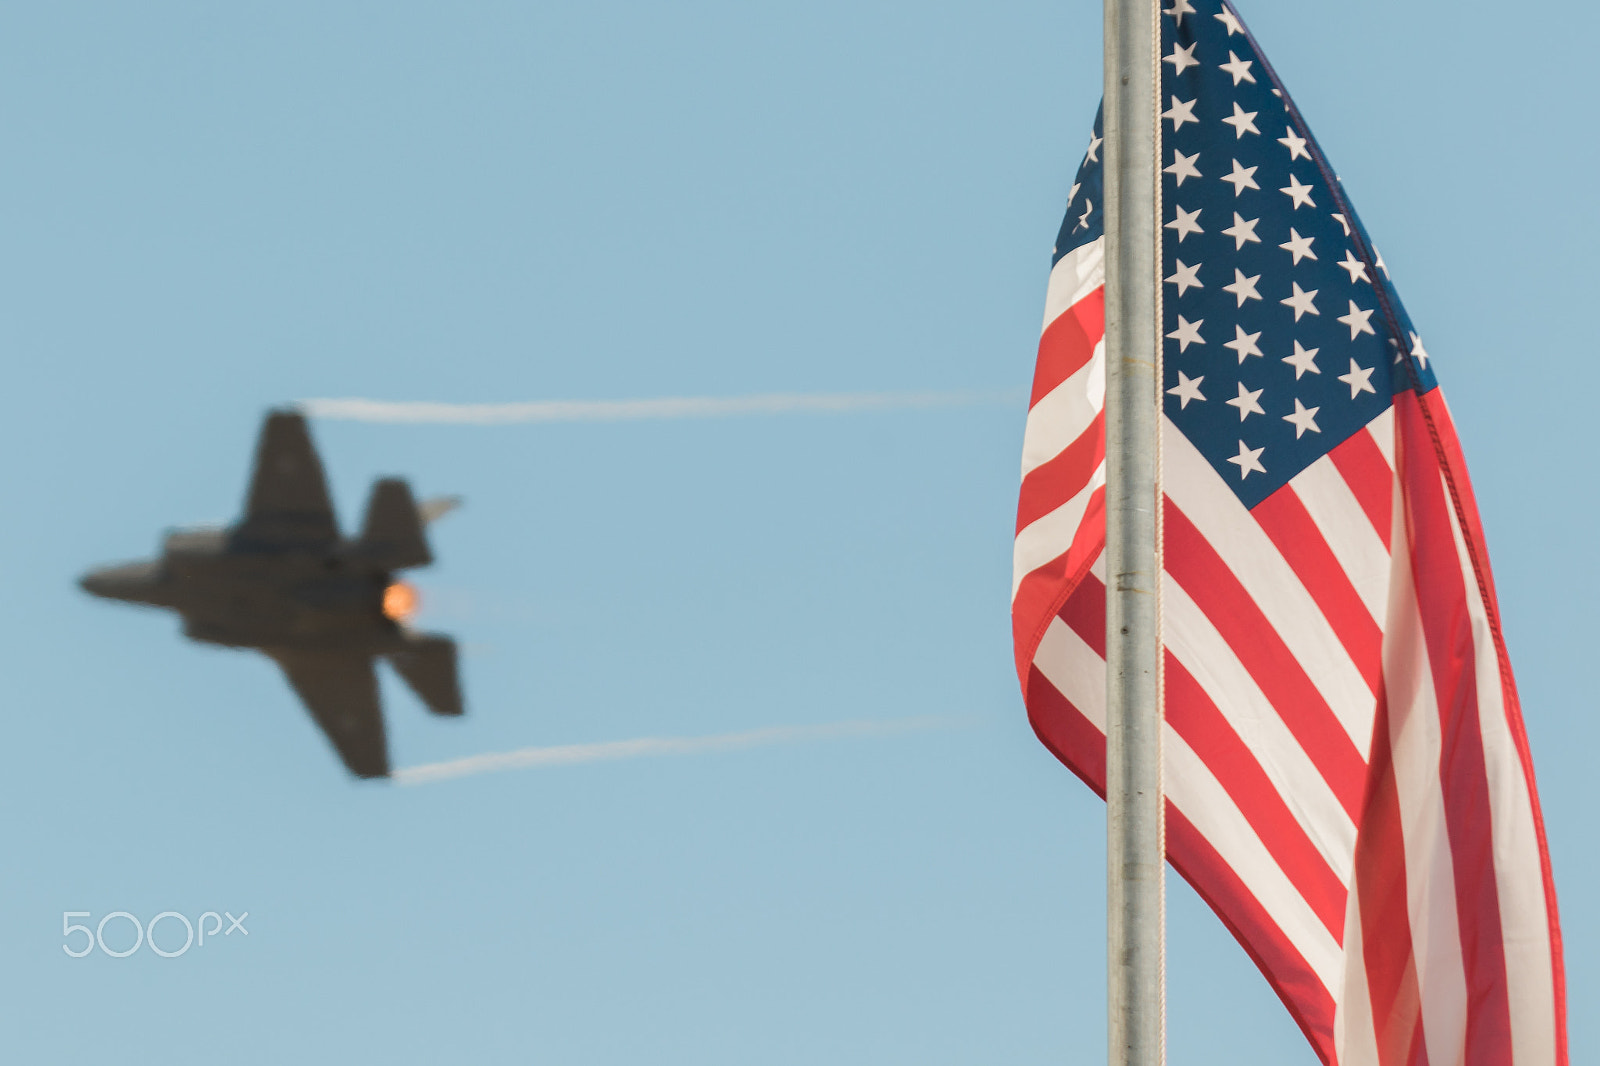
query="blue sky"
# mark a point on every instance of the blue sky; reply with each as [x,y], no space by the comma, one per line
[218,208]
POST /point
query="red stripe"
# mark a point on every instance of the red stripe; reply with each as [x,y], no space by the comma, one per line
[1074,740]
[1455,466]
[1197,720]
[1469,815]
[1085,613]
[1367,473]
[1052,484]
[1295,534]
[1296,983]
[1063,729]
[1194,717]
[1380,885]
[1193,563]
[1043,590]
[1068,343]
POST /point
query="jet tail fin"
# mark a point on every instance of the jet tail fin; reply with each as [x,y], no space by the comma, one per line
[428,665]
[392,533]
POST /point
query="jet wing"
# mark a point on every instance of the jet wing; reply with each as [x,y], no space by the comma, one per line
[288,505]
[340,689]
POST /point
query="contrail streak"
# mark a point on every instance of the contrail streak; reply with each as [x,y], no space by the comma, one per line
[356,409]
[643,747]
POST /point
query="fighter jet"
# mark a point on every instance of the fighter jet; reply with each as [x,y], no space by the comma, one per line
[325,608]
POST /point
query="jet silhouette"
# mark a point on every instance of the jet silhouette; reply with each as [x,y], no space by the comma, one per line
[283,581]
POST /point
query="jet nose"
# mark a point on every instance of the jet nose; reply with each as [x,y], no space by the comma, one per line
[133,582]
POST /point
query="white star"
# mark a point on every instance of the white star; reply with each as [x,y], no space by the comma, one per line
[1418,352]
[1357,269]
[1304,418]
[1241,231]
[1343,222]
[1239,68]
[1083,222]
[1095,141]
[1298,246]
[1246,402]
[1179,9]
[1243,343]
[1180,112]
[1188,389]
[1301,302]
[1295,143]
[1182,58]
[1242,178]
[1186,278]
[1228,19]
[1304,360]
[1073,195]
[1187,333]
[1185,223]
[1357,321]
[1182,166]
[1378,258]
[1243,288]
[1300,194]
[1242,121]
[1357,380]
[1247,460]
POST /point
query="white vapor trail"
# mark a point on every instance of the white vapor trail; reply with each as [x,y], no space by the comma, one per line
[357,409]
[643,747]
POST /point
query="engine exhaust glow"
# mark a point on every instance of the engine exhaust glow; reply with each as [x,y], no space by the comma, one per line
[399,602]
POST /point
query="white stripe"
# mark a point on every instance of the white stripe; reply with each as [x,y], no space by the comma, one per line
[1202,651]
[1195,791]
[1077,672]
[1075,275]
[1430,875]
[1199,492]
[1339,517]
[1519,871]
[1382,430]
[1355,1039]
[1065,413]
[1069,664]
[1050,537]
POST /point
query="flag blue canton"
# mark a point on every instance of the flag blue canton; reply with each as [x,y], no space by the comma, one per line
[1284,335]
[1086,217]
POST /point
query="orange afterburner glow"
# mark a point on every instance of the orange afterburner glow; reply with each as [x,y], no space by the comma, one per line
[399,602]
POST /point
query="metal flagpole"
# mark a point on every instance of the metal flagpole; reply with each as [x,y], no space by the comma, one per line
[1135,844]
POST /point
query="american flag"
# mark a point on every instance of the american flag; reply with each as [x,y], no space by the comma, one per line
[1347,776]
